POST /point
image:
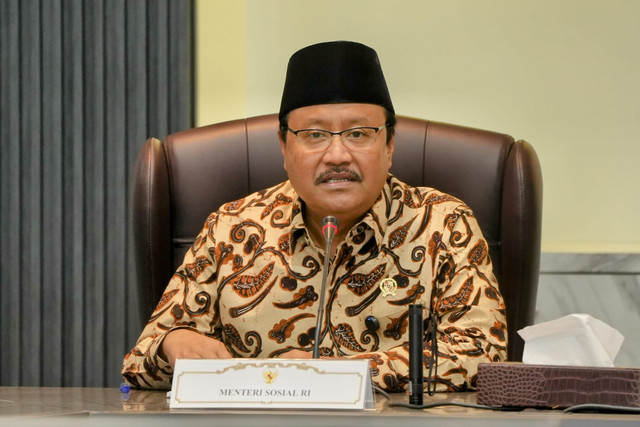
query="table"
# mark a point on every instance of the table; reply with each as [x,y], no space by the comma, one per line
[75,406]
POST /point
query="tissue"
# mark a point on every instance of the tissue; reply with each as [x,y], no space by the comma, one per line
[573,340]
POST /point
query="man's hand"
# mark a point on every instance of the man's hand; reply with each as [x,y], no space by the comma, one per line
[300,354]
[296,354]
[188,344]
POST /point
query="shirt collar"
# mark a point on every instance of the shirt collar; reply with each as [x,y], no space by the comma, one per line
[377,217]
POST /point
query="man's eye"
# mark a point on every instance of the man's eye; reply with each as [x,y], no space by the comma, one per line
[357,134]
[316,135]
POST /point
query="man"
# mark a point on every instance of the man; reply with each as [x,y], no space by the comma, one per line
[250,284]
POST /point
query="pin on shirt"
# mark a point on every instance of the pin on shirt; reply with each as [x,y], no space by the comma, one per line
[388,287]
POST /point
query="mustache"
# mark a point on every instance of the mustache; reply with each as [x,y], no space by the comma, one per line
[350,174]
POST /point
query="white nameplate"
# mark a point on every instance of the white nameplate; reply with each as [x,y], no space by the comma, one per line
[272,383]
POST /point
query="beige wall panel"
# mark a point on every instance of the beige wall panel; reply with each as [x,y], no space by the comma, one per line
[562,74]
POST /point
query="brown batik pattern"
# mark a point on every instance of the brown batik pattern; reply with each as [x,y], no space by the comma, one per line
[252,279]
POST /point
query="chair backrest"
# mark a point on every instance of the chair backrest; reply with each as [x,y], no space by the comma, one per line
[180,181]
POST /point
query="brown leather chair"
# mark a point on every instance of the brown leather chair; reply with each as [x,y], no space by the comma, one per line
[180,181]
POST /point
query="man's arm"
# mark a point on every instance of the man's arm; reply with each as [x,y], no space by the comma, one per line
[182,323]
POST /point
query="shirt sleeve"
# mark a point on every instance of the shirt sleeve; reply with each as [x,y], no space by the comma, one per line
[187,302]
[468,307]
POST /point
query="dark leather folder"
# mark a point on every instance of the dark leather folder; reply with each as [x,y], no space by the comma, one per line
[540,386]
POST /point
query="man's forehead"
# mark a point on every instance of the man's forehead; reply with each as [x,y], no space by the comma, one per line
[345,113]
[329,72]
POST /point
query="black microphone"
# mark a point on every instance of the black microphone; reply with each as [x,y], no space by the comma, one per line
[329,230]
[416,333]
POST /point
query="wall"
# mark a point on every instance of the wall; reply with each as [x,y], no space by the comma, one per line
[560,74]
[220,65]
[606,286]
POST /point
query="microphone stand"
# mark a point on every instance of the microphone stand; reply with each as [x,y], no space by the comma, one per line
[416,337]
[329,228]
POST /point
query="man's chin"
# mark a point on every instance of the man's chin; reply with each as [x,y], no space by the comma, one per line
[346,206]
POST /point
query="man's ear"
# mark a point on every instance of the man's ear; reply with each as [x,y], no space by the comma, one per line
[391,145]
[283,146]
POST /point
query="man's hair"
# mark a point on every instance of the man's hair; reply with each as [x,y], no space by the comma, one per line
[389,116]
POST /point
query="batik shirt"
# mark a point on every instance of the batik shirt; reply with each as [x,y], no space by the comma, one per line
[252,279]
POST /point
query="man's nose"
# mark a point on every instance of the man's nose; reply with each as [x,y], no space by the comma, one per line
[337,152]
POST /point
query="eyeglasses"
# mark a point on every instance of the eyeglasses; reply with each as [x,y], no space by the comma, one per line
[358,138]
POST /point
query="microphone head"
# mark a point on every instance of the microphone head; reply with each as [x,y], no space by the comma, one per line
[329,227]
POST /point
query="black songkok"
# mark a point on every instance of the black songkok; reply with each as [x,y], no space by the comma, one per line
[333,73]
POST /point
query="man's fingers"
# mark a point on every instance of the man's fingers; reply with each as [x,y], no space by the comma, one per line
[188,344]
[296,354]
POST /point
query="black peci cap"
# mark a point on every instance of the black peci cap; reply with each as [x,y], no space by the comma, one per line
[334,72]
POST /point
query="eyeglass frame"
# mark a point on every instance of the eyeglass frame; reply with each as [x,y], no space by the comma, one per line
[377,129]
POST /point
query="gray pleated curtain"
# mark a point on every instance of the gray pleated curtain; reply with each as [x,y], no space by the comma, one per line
[82,85]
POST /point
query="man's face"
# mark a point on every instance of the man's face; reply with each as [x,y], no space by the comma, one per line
[337,181]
